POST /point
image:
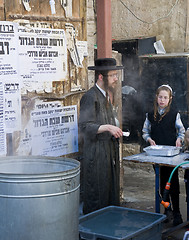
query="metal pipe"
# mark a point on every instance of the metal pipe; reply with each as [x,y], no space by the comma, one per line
[104,29]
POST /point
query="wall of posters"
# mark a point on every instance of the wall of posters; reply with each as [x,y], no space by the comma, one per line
[31,59]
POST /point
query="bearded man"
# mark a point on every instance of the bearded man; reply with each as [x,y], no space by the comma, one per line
[100,164]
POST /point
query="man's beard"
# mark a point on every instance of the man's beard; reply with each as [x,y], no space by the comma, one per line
[111,89]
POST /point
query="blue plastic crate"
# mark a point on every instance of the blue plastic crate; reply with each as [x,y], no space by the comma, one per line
[120,223]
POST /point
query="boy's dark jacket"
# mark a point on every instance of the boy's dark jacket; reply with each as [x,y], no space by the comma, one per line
[163,132]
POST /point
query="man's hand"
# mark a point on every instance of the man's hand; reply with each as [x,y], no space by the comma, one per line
[115,131]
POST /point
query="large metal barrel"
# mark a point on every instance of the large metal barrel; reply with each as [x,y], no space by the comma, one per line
[39,198]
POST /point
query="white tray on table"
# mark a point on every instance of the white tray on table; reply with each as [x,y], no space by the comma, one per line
[162,150]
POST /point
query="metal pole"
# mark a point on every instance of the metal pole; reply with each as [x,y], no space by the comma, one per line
[156,167]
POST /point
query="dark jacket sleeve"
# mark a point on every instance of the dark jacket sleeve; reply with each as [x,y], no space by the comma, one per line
[88,120]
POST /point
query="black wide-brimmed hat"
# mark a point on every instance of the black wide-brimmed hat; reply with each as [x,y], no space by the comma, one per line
[105,64]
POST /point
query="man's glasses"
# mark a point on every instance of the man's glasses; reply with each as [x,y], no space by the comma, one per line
[113,75]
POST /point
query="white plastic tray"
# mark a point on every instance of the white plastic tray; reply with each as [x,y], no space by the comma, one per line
[162,150]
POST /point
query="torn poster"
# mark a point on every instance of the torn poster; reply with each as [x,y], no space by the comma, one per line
[26,4]
[82,49]
[72,47]
[12,112]
[67,5]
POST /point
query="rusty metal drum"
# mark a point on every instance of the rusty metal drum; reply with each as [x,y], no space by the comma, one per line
[39,198]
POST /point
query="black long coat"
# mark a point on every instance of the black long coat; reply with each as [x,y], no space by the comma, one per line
[100,163]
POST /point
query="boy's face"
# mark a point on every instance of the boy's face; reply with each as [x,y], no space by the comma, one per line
[163,99]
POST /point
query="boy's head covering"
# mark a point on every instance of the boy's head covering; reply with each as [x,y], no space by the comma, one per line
[105,64]
[166,85]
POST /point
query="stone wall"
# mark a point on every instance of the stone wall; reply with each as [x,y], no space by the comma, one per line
[167,20]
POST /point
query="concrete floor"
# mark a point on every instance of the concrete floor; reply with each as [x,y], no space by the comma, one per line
[139,193]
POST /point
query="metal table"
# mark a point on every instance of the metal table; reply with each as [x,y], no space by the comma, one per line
[157,161]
